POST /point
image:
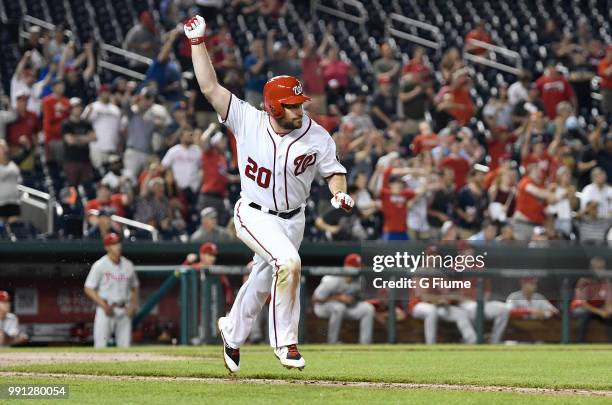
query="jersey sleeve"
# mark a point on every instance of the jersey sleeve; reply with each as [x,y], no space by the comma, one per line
[239,117]
[329,164]
[94,276]
[324,290]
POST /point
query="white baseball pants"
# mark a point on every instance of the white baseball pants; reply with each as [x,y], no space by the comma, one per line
[496,310]
[449,313]
[334,310]
[104,325]
[276,272]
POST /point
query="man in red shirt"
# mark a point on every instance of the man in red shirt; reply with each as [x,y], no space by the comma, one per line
[593,300]
[456,100]
[604,69]
[480,34]
[554,88]
[531,200]
[55,109]
[215,176]
[426,140]
[394,203]
[104,198]
[21,134]
[457,163]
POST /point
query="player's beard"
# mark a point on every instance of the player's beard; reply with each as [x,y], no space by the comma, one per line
[290,124]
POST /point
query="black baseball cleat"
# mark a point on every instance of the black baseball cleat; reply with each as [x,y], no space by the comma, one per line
[231,356]
[290,357]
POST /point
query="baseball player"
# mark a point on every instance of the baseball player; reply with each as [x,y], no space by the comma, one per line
[336,297]
[113,285]
[9,324]
[279,152]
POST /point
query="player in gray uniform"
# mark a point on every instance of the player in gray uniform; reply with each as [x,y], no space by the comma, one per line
[113,285]
[529,304]
[336,298]
[9,324]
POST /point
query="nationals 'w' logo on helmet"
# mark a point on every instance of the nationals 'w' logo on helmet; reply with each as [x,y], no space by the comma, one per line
[297,90]
[302,163]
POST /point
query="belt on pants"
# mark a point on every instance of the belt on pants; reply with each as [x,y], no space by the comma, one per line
[283,215]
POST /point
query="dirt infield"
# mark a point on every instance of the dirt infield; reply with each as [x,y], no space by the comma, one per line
[320,383]
[22,358]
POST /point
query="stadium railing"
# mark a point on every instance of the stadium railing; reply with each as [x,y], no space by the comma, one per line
[396,31]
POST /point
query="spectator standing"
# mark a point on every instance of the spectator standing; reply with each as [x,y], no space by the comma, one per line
[531,199]
[184,160]
[479,33]
[604,69]
[143,38]
[554,88]
[384,104]
[314,83]
[519,90]
[105,118]
[472,205]
[10,178]
[22,134]
[55,109]
[256,67]
[215,173]
[387,66]
[153,207]
[598,193]
[415,96]
[77,134]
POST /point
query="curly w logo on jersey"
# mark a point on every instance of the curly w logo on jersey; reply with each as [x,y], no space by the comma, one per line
[302,162]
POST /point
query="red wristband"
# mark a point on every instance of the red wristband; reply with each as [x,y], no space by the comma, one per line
[196,41]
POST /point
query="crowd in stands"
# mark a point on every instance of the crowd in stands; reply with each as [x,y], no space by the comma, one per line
[424,159]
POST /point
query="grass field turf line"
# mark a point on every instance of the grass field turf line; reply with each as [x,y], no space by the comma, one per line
[568,367]
[152,393]
[582,367]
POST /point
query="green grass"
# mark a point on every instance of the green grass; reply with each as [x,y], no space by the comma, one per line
[151,393]
[546,366]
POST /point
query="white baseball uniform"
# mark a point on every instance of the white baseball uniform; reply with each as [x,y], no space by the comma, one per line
[276,172]
[114,283]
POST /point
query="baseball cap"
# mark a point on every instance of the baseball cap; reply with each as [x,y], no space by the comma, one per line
[208,212]
[104,88]
[208,248]
[353,260]
[539,231]
[531,280]
[431,250]
[111,239]
[56,80]
[74,101]
[5,296]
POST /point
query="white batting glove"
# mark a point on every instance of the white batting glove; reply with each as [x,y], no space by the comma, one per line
[344,201]
[195,28]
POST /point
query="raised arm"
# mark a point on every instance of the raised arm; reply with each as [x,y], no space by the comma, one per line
[217,95]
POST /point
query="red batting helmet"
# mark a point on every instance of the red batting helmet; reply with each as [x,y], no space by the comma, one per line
[5,296]
[352,260]
[111,239]
[208,248]
[281,90]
